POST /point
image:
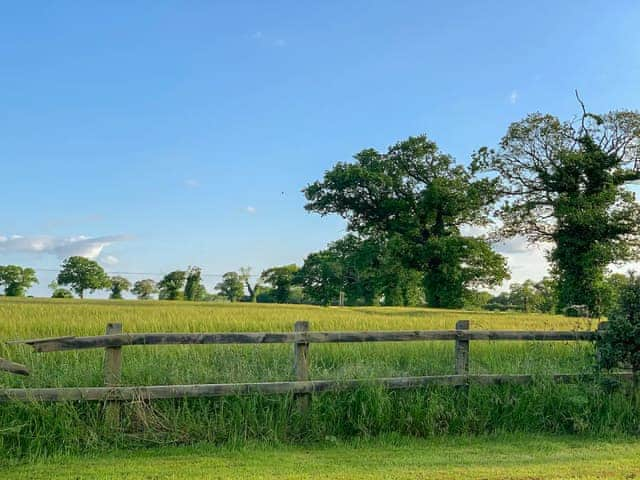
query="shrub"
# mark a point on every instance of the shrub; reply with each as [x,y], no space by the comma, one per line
[620,343]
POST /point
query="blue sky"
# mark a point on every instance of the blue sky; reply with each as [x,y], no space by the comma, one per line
[157,135]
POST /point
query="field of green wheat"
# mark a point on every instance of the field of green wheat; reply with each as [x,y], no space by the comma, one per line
[40,429]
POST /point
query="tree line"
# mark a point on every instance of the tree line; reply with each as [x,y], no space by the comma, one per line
[558,183]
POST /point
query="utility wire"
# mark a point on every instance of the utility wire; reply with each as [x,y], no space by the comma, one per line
[137,273]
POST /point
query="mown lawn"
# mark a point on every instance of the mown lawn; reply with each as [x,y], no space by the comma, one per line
[499,457]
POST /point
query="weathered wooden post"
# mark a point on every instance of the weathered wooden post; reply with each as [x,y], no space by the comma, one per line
[301,366]
[462,354]
[112,376]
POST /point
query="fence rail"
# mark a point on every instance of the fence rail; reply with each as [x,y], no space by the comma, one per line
[132,339]
[301,338]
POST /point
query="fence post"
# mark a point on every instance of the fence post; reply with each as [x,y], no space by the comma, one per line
[112,374]
[602,328]
[301,366]
[462,355]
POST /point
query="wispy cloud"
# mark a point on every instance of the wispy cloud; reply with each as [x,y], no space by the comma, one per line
[62,247]
[191,183]
[251,210]
[513,97]
[110,260]
[259,36]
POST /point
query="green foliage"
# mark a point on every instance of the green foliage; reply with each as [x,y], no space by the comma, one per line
[528,296]
[171,285]
[476,300]
[254,290]
[620,343]
[416,195]
[61,293]
[82,274]
[144,289]
[366,271]
[118,286]
[16,280]
[566,185]
[281,279]
[194,289]
[231,286]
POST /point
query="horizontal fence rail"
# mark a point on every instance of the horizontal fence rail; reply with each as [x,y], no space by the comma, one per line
[112,393]
[270,388]
[12,367]
[131,339]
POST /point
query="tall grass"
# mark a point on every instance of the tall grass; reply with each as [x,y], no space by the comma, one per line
[42,429]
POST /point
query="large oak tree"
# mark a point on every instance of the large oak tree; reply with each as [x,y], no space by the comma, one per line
[418,196]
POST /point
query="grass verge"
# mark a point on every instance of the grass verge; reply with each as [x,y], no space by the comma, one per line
[494,457]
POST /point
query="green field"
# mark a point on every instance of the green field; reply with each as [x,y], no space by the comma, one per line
[42,430]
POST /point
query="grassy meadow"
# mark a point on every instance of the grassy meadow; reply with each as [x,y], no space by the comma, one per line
[39,430]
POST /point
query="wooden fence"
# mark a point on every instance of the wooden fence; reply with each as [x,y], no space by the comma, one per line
[114,339]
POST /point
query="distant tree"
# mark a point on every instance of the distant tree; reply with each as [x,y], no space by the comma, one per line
[281,279]
[171,285]
[565,184]
[194,289]
[418,196]
[118,286]
[547,292]
[321,277]
[231,286]
[61,293]
[82,274]
[144,289]
[17,280]
[245,277]
[476,300]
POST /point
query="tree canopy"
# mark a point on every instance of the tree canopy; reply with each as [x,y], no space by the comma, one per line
[118,286]
[144,289]
[17,280]
[564,184]
[82,274]
[281,279]
[417,196]
[172,284]
[231,286]
[194,289]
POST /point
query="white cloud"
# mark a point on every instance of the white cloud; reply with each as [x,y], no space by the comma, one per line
[191,183]
[251,209]
[513,97]
[62,247]
[110,260]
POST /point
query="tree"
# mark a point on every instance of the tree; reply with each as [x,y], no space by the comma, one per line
[144,289]
[364,271]
[231,286]
[281,279]
[171,285]
[194,289]
[61,293]
[321,277]
[17,280]
[417,196]
[620,343]
[565,184]
[245,276]
[119,285]
[82,274]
